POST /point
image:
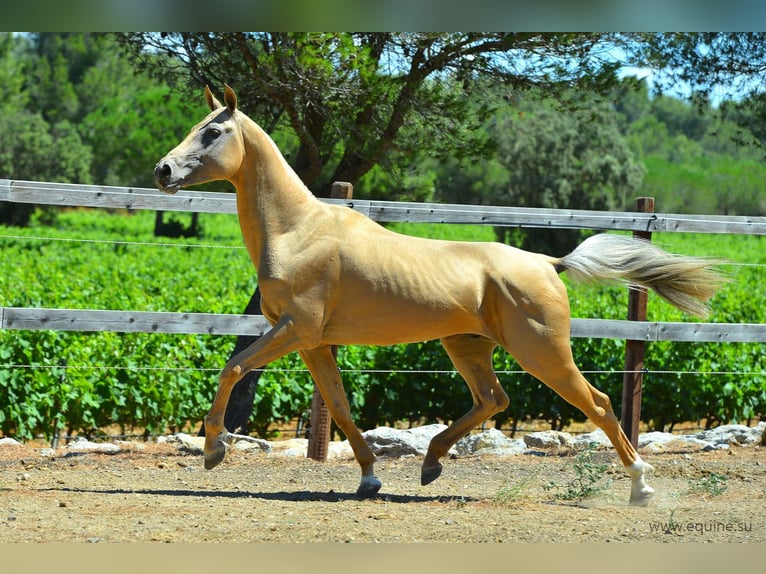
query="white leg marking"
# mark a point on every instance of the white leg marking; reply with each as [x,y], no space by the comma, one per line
[640,492]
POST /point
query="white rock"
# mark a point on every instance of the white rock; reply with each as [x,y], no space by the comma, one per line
[185,442]
[390,442]
[387,441]
[8,441]
[340,450]
[728,434]
[598,436]
[549,439]
[655,438]
[297,447]
[251,445]
[246,443]
[491,441]
[83,445]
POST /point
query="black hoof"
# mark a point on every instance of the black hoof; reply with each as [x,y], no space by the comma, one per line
[368,488]
[214,458]
[428,475]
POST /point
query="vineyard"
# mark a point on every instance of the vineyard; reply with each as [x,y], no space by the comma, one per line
[84,383]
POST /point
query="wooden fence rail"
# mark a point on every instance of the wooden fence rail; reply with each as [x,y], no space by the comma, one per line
[96,320]
[62,194]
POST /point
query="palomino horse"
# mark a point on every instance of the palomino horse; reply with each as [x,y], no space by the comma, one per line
[331,276]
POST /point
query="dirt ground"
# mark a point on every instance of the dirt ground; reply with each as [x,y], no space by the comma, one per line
[155,493]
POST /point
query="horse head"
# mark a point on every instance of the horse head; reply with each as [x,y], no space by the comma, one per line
[212,150]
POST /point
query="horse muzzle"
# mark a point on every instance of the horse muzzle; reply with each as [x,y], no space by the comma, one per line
[166,178]
[163,178]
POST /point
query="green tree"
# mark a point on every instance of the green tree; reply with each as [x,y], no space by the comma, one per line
[80,114]
[682,118]
[45,145]
[60,61]
[551,158]
[12,94]
[725,65]
[131,130]
[349,98]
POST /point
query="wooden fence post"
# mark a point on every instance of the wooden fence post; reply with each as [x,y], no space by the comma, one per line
[633,378]
[320,422]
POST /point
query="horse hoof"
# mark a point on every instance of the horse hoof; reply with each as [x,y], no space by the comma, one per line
[640,492]
[214,458]
[428,475]
[369,487]
[642,498]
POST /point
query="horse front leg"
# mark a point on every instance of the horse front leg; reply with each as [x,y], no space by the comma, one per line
[277,342]
[321,363]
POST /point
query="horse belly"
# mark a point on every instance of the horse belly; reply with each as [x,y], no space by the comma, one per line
[392,320]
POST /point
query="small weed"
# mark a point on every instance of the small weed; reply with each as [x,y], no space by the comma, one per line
[712,484]
[513,492]
[588,479]
[672,526]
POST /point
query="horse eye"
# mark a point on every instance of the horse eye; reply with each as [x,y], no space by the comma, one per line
[213,133]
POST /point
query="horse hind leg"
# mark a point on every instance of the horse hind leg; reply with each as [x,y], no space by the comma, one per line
[599,410]
[472,357]
[557,370]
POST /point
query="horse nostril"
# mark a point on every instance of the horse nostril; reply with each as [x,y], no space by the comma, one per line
[162,172]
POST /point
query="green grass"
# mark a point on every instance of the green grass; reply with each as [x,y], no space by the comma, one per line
[711,485]
[589,478]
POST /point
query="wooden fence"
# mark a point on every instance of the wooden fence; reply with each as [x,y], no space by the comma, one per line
[45,193]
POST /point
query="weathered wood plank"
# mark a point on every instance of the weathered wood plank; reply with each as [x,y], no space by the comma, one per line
[679,332]
[132,321]
[612,329]
[230,324]
[712,332]
[116,197]
[384,211]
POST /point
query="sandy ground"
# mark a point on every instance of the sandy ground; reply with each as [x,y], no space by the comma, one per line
[155,493]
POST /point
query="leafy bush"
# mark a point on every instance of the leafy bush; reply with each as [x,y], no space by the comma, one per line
[85,382]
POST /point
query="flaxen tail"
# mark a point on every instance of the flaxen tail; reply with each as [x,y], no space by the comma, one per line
[685,282]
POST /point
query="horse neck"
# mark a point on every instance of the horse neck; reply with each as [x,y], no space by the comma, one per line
[271,198]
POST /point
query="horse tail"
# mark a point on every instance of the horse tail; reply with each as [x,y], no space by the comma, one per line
[685,282]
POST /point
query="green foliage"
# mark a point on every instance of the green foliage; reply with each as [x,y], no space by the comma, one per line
[547,157]
[149,382]
[84,382]
[73,110]
[510,493]
[706,184]
[383,100]
[589,477]
[131,130]
[712,485]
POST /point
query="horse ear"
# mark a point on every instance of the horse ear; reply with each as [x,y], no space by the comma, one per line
[211,100]
[230,98]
